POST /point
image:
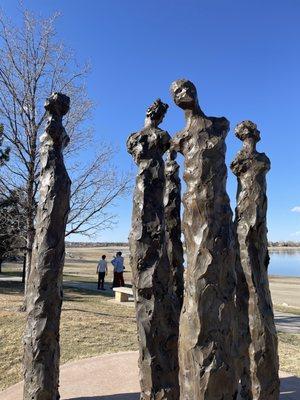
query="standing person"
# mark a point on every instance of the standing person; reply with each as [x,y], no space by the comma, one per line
[114,283]
[122,258]
[101,270]
[118,263]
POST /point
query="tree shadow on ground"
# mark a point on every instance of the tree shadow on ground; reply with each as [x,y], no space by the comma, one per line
[11,287]
[90,287]
[16,273]
[70,294]
[290,388]
[80,261]
[77,288]
[100,314]
[124,396]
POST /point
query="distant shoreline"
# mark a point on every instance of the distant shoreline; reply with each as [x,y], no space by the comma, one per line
[283,248]
[125,245]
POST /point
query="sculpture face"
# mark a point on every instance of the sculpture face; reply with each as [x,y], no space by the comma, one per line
[247,130]
[184,94]
[156,113]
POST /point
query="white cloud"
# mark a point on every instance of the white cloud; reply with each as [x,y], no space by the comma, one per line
[296,209]
[297,233]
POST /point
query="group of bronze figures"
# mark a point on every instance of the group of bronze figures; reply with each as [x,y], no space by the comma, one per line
[202,331]
[201,335]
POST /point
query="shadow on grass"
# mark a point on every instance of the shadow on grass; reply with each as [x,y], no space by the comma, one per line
[102,314]
[124,396]
[14,273]
[81,288]
[79,261]
[11,287]
[90,287]
[73,291]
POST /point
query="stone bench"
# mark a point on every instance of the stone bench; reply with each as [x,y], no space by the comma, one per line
[122,294]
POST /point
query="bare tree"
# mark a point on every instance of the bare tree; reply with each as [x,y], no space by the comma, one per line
[32,66]
[95,187]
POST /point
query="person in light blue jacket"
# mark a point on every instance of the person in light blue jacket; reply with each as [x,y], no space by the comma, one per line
[118,263]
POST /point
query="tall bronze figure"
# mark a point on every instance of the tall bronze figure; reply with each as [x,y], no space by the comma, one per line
[157,316]
[259,369]
[172,202]
[41,339]
[207,321]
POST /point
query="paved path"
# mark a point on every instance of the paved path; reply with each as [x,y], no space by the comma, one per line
[289,323]
[115,377]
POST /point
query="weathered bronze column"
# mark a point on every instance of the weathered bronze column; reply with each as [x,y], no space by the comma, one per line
[259,372]
[172,202]
[157,318]
[208,315]
[41,338]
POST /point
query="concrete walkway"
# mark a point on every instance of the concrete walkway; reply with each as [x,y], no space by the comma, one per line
[289,323]
[115,377]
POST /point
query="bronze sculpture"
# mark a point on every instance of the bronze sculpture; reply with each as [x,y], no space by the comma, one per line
[157,310]
[172,203]
[41,338]
[258,339]
[206,348]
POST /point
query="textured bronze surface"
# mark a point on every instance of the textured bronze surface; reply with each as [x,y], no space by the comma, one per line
[157,315]
[41,338]
[172,202]
[258,339]
[208,315]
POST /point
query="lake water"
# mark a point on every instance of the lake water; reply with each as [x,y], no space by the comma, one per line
[284,263]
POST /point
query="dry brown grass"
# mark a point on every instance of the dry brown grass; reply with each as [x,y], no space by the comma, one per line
[289,352]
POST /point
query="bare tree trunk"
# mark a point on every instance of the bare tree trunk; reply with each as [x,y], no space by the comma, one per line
[30,225]
[44,292]
[172,202]
[30,213]
[29,246]
[206,342]
[259,371]
[30,206]
[157,318]
[24,270]
[1,261]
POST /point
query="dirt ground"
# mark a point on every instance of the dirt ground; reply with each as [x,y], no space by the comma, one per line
[91,324]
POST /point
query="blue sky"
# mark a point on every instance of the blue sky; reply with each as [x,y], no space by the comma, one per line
[244,58]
